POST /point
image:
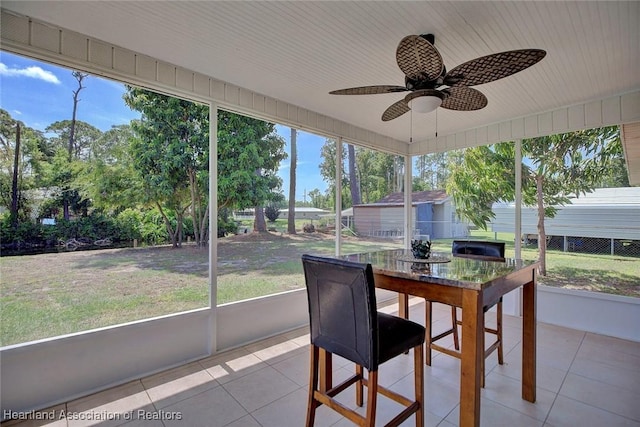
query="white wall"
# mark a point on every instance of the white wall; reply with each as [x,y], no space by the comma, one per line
[46,372]
[604,314]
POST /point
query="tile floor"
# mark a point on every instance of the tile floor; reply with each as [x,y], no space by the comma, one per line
[584,380]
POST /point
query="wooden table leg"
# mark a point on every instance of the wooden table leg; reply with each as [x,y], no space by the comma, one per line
[529,341]
[326,371]
[403,306]
[472,357]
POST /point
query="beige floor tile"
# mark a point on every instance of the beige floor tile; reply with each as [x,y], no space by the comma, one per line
[556,356]
[395,369]
[144,423]
[112,407]
[616,356]
[299,336]
[295,368]
[440,398]
[178,384]
[547,377]
[559,336]
[567,412]
[604,396]
[260,388]
[493,414]
[231,365]
[444,368]
[445,423]
[212,408]
[290,409]
[329,417]
[508,392]
[275,349]
[246,421]
[625,377]
[616,344]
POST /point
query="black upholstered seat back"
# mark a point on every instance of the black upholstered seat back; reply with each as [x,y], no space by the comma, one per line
[479,248]
[342,308]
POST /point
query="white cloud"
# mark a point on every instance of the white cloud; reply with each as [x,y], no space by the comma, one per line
[17,112]
[32,72]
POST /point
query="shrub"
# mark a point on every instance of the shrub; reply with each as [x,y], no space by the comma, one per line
[226,225]
[130,224]
[272,213]
[153,229]
[26,234]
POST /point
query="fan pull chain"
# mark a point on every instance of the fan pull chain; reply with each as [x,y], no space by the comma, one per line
[411,127]
[436,123]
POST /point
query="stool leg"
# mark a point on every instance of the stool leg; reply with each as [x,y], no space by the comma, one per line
[499,329]
[418,379]
[359,373]
[372,398]
[454,322]
[427,324]
[313,386]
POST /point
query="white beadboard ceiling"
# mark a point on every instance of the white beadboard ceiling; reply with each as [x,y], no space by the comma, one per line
[298,51]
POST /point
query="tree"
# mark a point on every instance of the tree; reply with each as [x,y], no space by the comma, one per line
[84,140]
[72,146]
[291,218]
[79,76]
[354,183]
[20,159]
[328,165]
[110,178]
[434,170]
[557,168]
[328,153]
[249,154]
[319,200]
[378,174]
[76,139]
[171,154]
[14,181]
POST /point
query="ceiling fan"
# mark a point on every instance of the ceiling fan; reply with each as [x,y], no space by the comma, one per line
[430,85]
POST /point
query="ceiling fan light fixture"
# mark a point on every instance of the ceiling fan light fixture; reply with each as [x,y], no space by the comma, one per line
[425,104]
[424,101]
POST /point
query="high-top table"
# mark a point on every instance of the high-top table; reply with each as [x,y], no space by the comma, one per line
[470,284]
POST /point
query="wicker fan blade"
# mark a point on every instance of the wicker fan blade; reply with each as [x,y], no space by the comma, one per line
[463,99]
[418,59]
[369,90]
[493,67]
[395,110]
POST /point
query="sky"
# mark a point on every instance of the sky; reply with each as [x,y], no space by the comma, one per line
[39,94]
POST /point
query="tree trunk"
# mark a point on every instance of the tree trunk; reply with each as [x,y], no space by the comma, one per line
[14,184]
[398,175]
[354,184]
[72,132]
[259,224]
[173,234]
[291,217]
[542,235]
[195,207]
[204,227]
[65,204]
